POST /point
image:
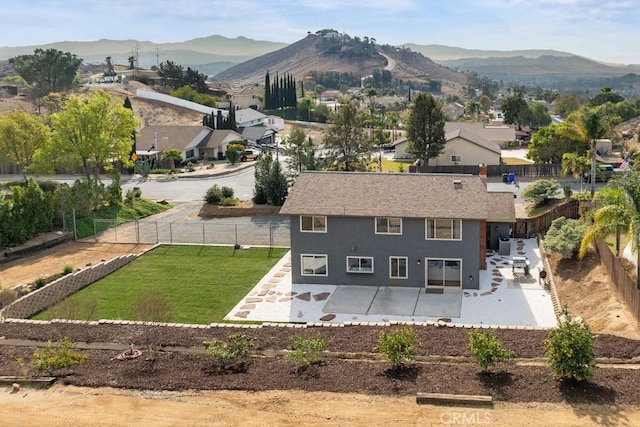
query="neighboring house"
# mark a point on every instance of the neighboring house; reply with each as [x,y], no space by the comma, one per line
[195,142]
[258,127]
[501,135]
[461,148]
[454,110]
[394,229]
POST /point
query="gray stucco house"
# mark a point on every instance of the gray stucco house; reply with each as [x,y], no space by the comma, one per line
[394,229]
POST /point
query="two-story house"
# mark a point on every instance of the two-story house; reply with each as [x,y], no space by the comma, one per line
[394,229]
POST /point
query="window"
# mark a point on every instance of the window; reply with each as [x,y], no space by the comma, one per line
[388,225]
[314,265]
[456,158]
[359,264]
[444,229]
[313,224]
[398,267]
[444,272]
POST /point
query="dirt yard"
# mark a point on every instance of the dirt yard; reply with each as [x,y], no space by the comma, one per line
[68,405]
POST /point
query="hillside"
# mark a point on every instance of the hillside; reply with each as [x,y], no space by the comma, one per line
[441,53]
[308,55]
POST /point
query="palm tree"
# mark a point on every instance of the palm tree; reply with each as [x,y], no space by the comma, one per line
[572,164]
[630,184]
[614,215]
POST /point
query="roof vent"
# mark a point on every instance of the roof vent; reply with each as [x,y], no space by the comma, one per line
[457,184]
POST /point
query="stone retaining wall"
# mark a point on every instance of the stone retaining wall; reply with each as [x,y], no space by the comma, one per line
[58,290]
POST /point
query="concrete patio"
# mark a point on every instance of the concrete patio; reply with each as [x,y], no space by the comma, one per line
[502,300]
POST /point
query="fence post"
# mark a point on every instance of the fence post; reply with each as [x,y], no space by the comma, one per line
[171,233]
[75,229]
[137,231]
[95,232]
[204,239]
[270,240]
[235,226]
[157,234]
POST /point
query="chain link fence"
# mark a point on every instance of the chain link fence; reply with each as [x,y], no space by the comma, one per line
[152,232]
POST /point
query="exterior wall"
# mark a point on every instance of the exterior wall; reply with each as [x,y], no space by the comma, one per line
[471,154]
[496,231]
[355,236]
[401,151]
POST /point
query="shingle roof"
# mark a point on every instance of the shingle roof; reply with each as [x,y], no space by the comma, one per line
[497,134]
[247,115]
[473,138]
[391,194]
[501,207]
[169,136]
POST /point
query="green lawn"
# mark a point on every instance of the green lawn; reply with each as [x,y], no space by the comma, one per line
[202,283]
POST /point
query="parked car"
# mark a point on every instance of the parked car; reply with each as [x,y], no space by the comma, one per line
[603,173]
[249,154]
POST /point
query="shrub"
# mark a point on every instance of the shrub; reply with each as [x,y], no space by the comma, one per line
[306,351]
[56,356]
[227,192]
[229,201]
[569,350]
[152,307]
[486,348]
[134,193]
[67,269]
[398,346]
[7,296]
[540,191]
[213,196]
[226,353]
[39,282]
[564,236]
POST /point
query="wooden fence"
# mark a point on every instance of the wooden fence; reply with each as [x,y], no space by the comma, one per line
[625,286]
[530,170]
[529,227]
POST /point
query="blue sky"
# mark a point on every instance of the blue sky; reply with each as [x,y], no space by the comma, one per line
[606,30]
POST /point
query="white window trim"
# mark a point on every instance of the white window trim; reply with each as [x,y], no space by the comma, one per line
[370,258]
[426,229]
[312,222]
[456,156]
[387,232]
[406,259]
[313,274]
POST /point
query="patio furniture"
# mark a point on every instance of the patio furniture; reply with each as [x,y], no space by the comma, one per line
[520,262]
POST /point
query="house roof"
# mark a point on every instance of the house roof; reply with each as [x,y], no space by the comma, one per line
[498,134]
[405,195]
[183,137]
[473,138]
[247,115]
[255,133]
[501,207]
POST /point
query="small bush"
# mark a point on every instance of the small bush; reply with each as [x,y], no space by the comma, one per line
[541,191]
[227,353]
[67,269]
[134,193]
[213,196]
[39,282]
[229,201]
[56,356]
[569,350]
[398,347]
[565,236]
[227,192]
[486,348]
[306,351]
[152,307]
[161,171]
[7,296]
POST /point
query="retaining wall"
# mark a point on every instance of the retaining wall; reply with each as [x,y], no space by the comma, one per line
[58,290]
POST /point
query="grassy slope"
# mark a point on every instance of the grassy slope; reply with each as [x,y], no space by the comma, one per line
[203,283]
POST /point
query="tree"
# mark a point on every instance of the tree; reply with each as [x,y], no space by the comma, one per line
[425,128]
[630,184]
[270,183]
[485,103]
[538,115]
[565,105]
[541,191]
[549,144]
[347,146]
[569,350]
[299,151]
[564,236]
[233,152]
[47,71]
[594,125]
[22,135]
[612,216]
[572,164]
[90,134]
[515,110]
[173,155]
[398,346]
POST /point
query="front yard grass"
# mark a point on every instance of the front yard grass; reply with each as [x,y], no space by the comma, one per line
[202,284]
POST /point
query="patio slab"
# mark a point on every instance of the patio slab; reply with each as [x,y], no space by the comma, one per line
[351,299]
[448,304]
[394,301]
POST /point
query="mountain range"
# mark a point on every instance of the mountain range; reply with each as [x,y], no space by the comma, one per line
[242,60]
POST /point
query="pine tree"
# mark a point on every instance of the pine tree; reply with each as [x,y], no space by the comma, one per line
[267,92]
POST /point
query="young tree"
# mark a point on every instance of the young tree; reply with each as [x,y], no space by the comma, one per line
[277,187]
[595,126]
[569,350]
[347,146]
[487,349]
[90,134]
[22,135]
[300,152]
[425,128]
[234,150]
[47,71]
